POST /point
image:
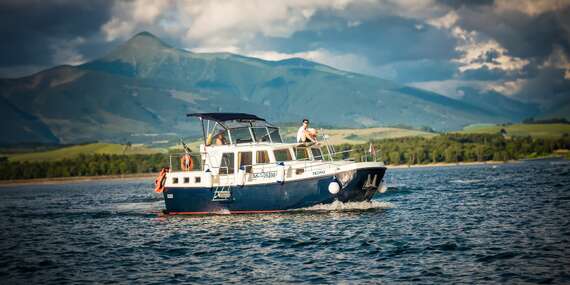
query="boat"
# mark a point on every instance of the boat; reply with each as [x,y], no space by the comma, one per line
[244,166]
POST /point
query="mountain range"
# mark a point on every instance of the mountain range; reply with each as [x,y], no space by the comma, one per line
[145,87]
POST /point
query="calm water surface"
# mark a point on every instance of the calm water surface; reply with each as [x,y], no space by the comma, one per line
[476,224]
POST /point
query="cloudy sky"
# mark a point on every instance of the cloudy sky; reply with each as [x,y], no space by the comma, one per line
[519,48]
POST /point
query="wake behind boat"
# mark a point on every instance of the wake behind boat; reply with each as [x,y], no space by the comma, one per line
[244,167]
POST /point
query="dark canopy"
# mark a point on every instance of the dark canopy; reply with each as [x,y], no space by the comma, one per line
[222,117]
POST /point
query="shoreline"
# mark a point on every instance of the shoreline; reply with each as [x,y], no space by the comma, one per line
[76,179]
[450,164]
[151,176]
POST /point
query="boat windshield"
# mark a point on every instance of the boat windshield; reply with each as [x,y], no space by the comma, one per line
[274,134]
[241,135]
[260,134]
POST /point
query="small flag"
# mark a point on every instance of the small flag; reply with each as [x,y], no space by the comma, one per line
[372,149]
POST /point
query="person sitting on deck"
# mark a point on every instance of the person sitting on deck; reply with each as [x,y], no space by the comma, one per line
[306,135]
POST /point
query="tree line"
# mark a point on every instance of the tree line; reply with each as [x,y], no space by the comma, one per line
[84,165]
[450,148]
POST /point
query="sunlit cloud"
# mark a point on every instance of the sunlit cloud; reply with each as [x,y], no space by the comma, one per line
[531,7]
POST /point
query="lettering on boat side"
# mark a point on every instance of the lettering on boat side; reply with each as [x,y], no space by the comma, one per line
[169,196]
[270,174]
[318,172]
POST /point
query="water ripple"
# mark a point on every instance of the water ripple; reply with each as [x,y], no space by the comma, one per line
[468,224]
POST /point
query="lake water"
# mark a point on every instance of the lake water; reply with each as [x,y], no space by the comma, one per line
[464,224]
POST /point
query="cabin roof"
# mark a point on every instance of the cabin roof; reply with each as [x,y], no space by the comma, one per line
[223,117]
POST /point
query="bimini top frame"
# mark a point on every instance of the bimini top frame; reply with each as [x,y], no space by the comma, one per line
[223,117]
[238,128]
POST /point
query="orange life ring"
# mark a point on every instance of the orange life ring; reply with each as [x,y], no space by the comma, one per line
[160,180]
[186,162]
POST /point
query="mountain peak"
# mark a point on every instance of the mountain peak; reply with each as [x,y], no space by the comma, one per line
[141,45]
[145,34]
[145,39]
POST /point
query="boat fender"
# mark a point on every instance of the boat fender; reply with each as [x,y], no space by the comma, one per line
[281,172]
[161,180]
[186,162]
[382,188]
[334,187]
[208,178]
[241,176]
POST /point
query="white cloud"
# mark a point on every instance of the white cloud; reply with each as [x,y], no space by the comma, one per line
[65,52]
[489,54]
[117,28]
[130,15]
[531,7]
[146,11]
[475,51]
[218,22]
[508,88]
[444,22]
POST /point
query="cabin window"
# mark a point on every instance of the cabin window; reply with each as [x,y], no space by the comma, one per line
[301,153]
[260,134]
[317,154]
[174,180]
[245,161]
[282,155]
[241,135]
[261,157]
[197,179]
[186,179]
[274,134]
[227,164]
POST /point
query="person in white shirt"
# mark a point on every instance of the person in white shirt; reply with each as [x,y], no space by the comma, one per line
[304,134]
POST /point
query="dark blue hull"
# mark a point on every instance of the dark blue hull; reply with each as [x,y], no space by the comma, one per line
[273,197]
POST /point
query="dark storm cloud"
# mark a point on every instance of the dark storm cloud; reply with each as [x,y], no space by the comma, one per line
[29,28]
[523,35]
[381,40]
[548,87]
[487,74]
[456,4]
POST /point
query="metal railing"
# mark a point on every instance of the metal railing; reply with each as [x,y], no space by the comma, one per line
[177,164]
[326,158]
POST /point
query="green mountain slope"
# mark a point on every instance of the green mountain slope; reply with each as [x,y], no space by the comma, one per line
[144,88]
